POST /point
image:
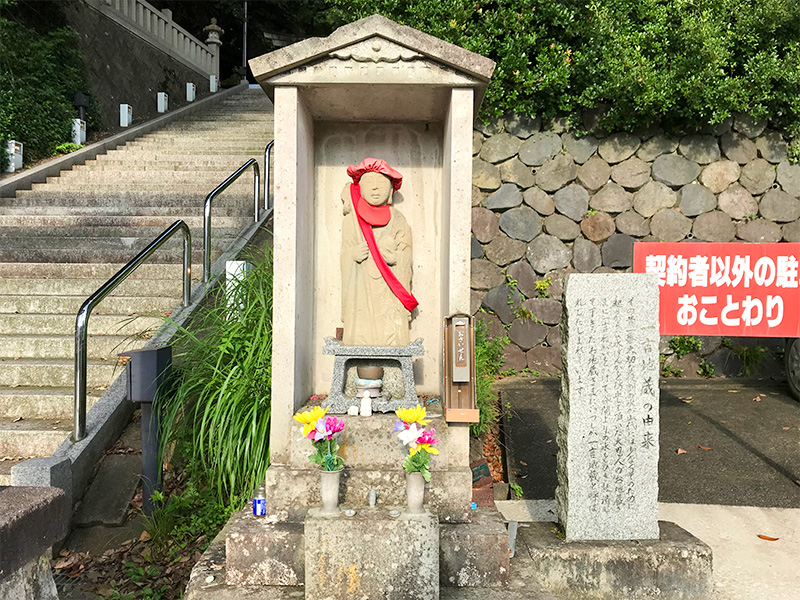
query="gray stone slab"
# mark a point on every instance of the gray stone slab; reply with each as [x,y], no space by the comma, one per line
[32,581]
[261,552]
[96,540]
[677,566]
[371,555]
[380,356]
[475,554]
[608,426]
[32,519]
[107,499]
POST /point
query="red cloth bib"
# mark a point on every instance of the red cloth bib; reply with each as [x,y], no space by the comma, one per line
[368,216]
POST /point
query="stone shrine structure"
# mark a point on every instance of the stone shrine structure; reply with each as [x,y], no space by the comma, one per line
[608,411]
[371,89]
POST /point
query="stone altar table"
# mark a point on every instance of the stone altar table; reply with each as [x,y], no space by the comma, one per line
[379,356]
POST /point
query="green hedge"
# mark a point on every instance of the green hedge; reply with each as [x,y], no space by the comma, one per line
[683,63]
[39,73]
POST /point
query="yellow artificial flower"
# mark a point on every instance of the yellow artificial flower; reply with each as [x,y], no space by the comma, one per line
[413,415]
[309,418]
[412,450]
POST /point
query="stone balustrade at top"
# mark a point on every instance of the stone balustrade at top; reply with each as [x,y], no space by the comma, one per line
[157,28]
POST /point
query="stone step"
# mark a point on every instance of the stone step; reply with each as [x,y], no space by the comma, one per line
[145,233]
[99,347]
[81,255]
[32,436]
[131,287]
[50,271]
[191,196]
[137,217]
[43,403]
[157,166]
[98,249]
[54,324]
[31,372]
[136,177]
[107,184]
[111,305]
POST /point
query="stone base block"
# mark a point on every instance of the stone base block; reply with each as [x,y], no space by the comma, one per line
[260,552]
[291,491]
[32,581]
[474,554]
[675,567]
[372,555]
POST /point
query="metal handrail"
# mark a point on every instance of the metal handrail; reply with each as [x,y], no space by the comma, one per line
[267,153]
[207,210]
[82,320]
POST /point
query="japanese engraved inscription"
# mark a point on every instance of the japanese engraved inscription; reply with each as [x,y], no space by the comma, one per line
[608,423]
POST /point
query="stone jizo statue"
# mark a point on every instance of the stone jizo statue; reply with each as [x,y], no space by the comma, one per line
[375,259]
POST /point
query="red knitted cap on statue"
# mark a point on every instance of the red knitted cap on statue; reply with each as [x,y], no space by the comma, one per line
[376,165]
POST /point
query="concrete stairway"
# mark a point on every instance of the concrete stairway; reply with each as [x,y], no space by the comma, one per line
[63,239]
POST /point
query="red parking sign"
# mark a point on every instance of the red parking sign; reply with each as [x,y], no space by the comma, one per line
[724,289]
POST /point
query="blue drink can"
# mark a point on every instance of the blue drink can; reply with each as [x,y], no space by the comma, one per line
[259,507]
[260,502]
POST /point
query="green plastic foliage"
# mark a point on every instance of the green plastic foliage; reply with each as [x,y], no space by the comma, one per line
[39,73]
[684,63]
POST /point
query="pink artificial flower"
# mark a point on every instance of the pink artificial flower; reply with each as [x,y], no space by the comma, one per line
[334,425]
[427,437]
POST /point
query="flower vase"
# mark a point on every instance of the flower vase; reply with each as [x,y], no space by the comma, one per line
[329,490]
[415,493]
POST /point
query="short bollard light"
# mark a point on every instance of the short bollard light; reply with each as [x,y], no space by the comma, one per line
[146,370]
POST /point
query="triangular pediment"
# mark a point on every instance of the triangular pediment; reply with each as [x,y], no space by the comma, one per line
[374,40]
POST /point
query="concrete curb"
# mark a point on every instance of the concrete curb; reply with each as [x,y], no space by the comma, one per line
[112,412]
[39,174]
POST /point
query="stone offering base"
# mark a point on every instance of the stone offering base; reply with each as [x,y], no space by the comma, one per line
[371,555]
[379,356]
[255,558]
[373,459]
[675,567]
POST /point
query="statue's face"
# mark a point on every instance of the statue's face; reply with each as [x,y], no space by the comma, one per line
[376,188]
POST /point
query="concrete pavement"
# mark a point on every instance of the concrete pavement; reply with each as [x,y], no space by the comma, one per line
[743,482]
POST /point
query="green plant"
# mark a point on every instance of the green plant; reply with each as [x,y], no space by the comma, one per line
[706,368]
[668,371]
[591,212]
[686,64]
[41,69]
[793,151]
[66,148]
[684,344]
[517,490]
[219,404]
[523,312]
[751,358]
[543,287]
[488,362]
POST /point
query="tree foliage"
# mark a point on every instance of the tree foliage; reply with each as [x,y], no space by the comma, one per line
[684,63]
[39,73]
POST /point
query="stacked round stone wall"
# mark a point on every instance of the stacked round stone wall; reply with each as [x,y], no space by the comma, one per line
[547,202]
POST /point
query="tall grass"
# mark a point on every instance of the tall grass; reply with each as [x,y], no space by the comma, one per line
[488,361]
[218,408]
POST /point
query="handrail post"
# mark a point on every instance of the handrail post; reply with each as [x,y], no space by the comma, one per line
[187,267]
[81,323]
[82,320]
[256,192]
[267,154]
[207,210]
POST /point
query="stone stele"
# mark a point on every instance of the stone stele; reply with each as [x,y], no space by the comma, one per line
[608,424]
